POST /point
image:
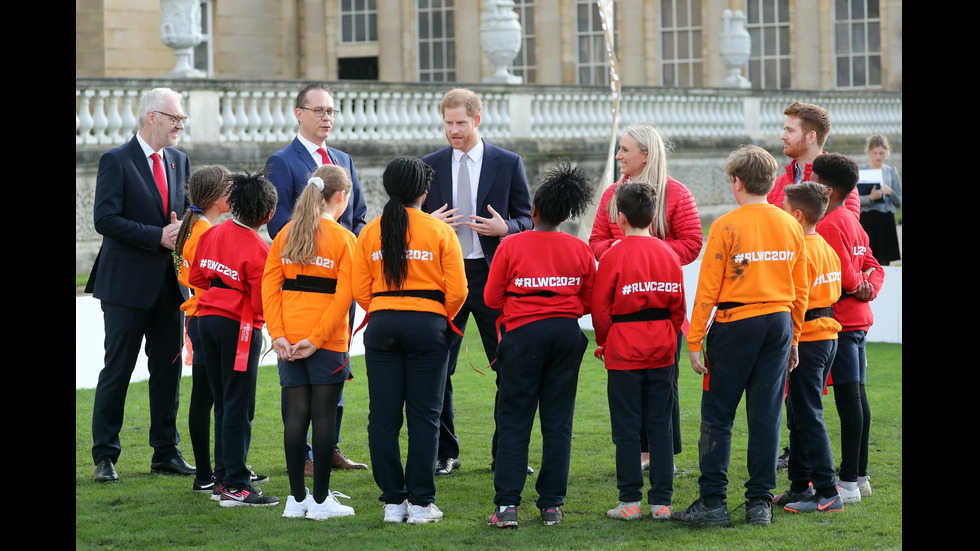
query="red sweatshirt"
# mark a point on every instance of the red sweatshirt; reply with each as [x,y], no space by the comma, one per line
[638,273]
[846,236]
[539,261]
[235,256]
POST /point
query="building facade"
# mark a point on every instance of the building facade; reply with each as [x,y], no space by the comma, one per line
[796,44]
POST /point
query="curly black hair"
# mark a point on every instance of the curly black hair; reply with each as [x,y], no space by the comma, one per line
[564,193]
[837,172]
[252,197]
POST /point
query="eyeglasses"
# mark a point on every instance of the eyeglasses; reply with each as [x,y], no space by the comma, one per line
[319,113]
[177,119]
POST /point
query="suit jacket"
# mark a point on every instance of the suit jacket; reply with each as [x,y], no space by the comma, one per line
[132,266]
[289,170]
[503,184]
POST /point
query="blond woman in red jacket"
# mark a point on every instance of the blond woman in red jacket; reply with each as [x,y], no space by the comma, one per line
[642,157]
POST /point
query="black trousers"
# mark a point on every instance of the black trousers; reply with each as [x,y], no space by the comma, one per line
[477,271]
[125,329]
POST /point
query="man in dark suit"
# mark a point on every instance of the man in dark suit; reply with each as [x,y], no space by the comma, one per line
[291,166]
[139,189]
[492,202]
[289,170]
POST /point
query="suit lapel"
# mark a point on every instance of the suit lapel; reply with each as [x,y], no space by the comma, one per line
[445,181]
[143,166]
[487,174]
[304,157]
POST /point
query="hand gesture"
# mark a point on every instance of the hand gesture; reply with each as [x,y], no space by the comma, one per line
[495,225]
[168,237]
[445,214]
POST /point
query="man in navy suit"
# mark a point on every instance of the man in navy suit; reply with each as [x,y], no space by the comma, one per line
[291,166]
[139,189]
[289,170]
[495,203]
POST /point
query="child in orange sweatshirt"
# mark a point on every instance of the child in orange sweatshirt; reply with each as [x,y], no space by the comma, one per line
[811,463]
[306,294]
[754,272]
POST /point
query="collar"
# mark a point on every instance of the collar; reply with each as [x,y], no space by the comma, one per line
[310,146]
[147,149]
[475,154]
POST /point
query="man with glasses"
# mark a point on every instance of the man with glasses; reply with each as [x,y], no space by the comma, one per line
[289,170]
[138,191]
[291,166]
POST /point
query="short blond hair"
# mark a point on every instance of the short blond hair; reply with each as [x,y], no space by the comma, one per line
[755,167]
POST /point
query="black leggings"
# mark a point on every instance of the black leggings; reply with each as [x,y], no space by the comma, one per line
[199,420]
[319,404]
[855,429]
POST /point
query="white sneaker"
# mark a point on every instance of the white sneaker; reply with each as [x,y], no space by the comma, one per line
[849,492]
[864,486]
[660,512]
[626,510]
[330,508]
[421,515]
[396,512]
[297,509]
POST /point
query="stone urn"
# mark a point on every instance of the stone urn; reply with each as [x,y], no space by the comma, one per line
[500,38]
[180,29]
[735,46]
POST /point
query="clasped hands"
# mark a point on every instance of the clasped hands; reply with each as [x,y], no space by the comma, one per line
[289,352]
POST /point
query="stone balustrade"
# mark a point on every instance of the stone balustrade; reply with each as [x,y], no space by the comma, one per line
[223,111]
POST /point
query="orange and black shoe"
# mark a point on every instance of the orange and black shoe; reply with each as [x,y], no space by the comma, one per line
[817,504]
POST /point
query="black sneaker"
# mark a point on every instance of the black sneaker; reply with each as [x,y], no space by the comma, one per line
[246,497]
[219,489]
[699,514]
[503,519]
[256,478]
[789,496]
[758,512]
[204,486]
[551,516]
[782,463]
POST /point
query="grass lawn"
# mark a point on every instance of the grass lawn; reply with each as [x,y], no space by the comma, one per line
[155,512]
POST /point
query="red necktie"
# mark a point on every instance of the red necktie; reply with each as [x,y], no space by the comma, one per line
[161,179]
[324,156]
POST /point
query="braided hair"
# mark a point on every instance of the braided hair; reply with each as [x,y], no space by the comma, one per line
[252,198]
[564,193]
[206,187]
[405,179]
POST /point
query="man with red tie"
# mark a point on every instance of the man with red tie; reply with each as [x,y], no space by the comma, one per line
[139,189]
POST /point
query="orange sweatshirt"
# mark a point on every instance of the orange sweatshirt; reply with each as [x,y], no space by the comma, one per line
[190,247]
[823,269]
[435,262]
[320,317]
[754,256]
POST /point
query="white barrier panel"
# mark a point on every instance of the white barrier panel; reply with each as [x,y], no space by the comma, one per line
[89,331]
